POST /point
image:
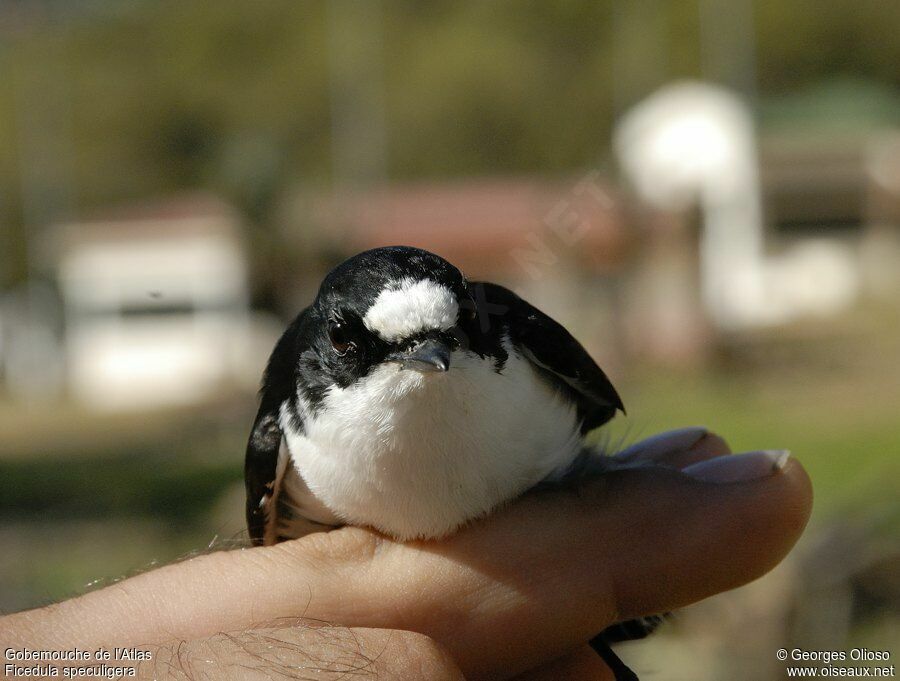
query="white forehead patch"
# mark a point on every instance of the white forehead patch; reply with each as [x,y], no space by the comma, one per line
[410,307]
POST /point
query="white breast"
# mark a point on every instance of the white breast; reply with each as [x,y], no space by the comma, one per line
[416,455]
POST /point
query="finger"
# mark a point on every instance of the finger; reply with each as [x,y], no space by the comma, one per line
[727,535]
[504,595]
[324,652]
[630,544]
[710,446]
[582,663]
[739,467]
[675,448]
[656,447]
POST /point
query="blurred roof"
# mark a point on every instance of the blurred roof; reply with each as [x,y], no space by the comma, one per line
[481,224]
[175,217]
[182,206]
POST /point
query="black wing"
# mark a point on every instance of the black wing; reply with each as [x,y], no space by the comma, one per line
[554,351]
[261,462]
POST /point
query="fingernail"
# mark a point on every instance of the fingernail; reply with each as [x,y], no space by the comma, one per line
[658,446]
[739,467]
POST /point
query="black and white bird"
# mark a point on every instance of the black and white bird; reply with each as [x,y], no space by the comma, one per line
[412,401]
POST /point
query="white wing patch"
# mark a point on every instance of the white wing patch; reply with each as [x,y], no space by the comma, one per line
[411,307]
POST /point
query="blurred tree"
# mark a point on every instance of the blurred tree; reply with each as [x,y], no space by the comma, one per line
[236,96]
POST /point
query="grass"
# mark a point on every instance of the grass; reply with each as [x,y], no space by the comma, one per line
[142,483]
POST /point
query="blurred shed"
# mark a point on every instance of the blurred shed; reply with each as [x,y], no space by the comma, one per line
[155,302]
[796,223]
[830,161]
[488,226]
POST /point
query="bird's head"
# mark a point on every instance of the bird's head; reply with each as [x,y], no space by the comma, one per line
[396,306]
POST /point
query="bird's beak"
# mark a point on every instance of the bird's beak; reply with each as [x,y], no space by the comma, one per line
[429,355]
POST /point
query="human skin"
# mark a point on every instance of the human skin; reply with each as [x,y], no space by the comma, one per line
[517,594]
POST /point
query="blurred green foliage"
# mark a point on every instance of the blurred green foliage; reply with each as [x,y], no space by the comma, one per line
[108,101]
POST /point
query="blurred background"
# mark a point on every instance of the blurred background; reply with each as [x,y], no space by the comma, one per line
[706,192]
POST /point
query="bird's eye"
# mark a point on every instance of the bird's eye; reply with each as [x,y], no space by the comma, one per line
[339,335]
[469,313]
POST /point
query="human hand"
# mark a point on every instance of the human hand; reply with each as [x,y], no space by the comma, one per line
[518,593]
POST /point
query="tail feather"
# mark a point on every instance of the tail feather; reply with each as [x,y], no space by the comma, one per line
[633,630]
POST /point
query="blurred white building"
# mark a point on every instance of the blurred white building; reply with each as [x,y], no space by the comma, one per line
[793,235]
[155,305]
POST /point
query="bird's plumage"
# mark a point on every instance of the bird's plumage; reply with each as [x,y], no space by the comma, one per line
[346,433]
